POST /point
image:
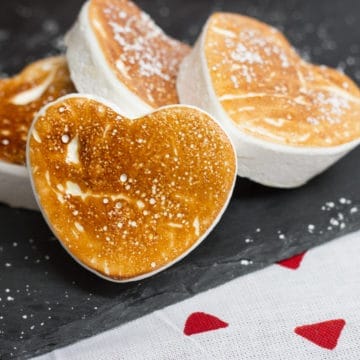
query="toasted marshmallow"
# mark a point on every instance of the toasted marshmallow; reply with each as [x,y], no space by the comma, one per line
[289,120]
[20,99]
[128,198]
[116,51]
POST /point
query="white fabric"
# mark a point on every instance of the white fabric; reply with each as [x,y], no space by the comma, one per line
[262,309]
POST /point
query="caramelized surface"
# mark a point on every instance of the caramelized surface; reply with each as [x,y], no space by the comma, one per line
[126,197]
[20,99]
[139,53]
[271,93]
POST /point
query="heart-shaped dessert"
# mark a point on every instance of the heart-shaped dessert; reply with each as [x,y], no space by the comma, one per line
[289,119]
[128,198]
[20,98]
[116,51]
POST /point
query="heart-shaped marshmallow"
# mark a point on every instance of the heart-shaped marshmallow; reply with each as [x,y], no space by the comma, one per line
[289,119]
[128,198]
[20,98]
[116,51]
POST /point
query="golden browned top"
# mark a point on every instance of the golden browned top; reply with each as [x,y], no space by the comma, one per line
[127,197]
[139,53]
[20,99]
[271,93]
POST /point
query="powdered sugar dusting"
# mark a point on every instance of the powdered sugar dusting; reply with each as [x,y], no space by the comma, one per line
[243,55]
[149,62]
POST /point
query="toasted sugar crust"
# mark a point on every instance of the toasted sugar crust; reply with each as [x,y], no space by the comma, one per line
[127,197]
[22,96]
[141,56]
[270,93]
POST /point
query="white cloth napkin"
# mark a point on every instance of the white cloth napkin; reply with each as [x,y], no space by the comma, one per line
[262,315]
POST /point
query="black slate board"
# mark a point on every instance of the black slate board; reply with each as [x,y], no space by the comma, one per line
[48,301]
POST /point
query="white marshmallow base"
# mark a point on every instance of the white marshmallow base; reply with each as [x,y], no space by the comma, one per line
[15,188]
[91,73]
[264,162]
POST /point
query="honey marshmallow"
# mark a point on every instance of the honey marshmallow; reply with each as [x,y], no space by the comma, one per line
[289,120]
[117,52]
[128,198]
[20,98]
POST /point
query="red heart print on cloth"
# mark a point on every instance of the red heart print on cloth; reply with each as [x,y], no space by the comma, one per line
[293,262]
[199,322]
[324,334]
